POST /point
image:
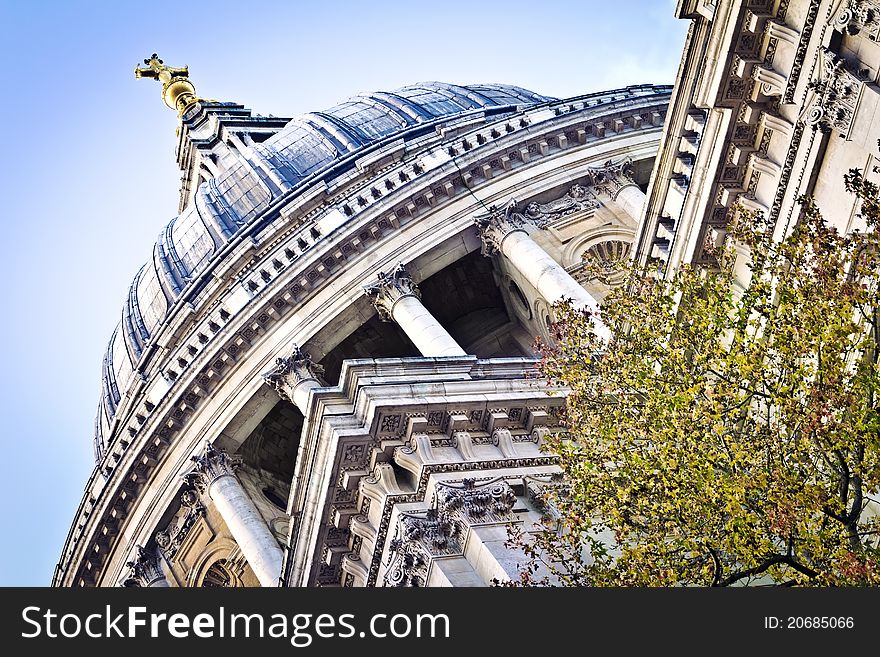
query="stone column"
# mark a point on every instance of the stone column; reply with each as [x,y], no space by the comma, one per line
[214,474]
[294,376]
[615,180]
[503,231]
[397,298]
[145,570]
[632,200]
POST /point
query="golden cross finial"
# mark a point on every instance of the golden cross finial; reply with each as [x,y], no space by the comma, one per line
[177,91]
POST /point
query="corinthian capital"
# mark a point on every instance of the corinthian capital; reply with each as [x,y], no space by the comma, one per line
[389,289]
[838,92]
[496,224]
[144,569]
[475,503]
[611,177]
[292,370]
[860,17]
[212,464]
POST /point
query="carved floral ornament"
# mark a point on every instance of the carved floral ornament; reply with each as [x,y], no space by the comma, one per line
[419,538]
[859,17]
[389,289]
[499,222]
[577,199]
[291,370]
[171,538]
[837,92]
[472,503]
[144,569]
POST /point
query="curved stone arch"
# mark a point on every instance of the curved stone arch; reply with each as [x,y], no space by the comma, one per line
[544,318]
[520,302]
[574,251]
[279,527]
[221,549]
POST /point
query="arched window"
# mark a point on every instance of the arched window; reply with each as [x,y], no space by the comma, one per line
[219,576]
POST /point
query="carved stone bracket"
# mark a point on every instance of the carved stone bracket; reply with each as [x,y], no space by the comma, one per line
[837,95]
[477,503]
[212,464]
[577,199]
[292,370]
[144,569]
[389,289]
[772,82]
[859,17]
[171,538]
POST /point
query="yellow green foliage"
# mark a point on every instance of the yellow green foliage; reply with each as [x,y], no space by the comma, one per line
[725,435]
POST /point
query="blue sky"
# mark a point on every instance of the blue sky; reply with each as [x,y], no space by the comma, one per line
[89,179]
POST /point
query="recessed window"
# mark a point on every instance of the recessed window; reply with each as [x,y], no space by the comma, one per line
[270,494]
[519,299]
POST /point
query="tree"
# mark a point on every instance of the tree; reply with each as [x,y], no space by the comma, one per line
[724,436]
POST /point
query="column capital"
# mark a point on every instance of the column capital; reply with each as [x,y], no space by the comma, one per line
[496,224]
[210,465]
[144,569]
[610,178]
[859,17]
[837,93]
[477,503]
[290,371]
[389,289]
[419,538]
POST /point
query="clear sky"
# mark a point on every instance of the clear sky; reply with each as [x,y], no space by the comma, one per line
[88,174]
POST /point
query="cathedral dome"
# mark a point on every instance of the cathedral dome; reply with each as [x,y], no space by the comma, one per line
[311,147]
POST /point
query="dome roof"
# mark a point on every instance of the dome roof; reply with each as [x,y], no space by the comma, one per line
[306,147]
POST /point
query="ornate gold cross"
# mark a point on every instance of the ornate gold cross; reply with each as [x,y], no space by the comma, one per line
[177,91]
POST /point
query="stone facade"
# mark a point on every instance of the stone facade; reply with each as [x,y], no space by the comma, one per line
[325,375]
[776,99]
